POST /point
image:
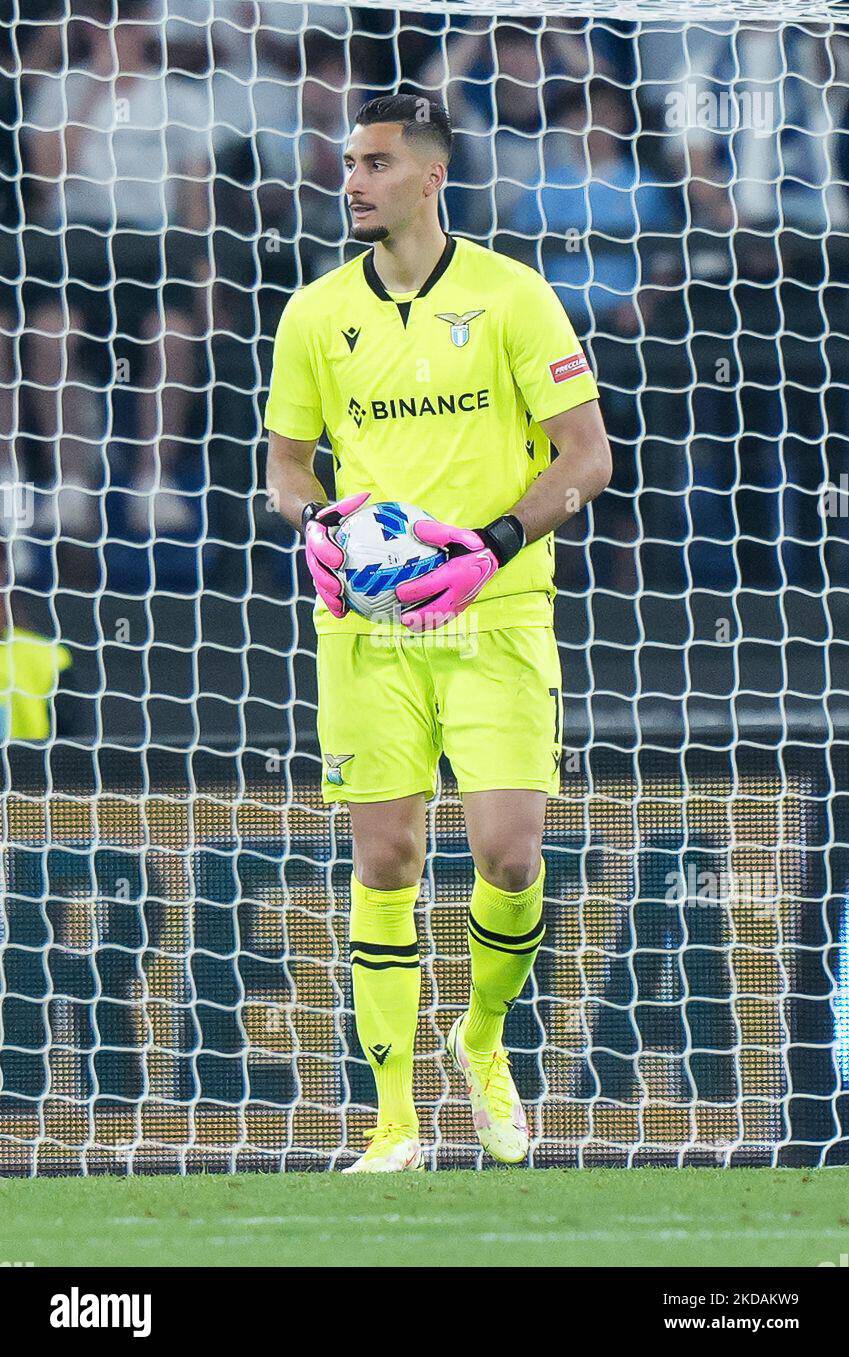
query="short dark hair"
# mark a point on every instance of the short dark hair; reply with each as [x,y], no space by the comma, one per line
[421,118]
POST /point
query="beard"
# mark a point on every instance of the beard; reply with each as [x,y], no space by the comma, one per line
[369,235]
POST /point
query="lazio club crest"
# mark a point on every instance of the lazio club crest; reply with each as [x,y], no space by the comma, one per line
[459,325]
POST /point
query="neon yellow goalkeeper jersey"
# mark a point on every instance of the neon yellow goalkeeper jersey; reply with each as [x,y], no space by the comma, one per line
[435,399]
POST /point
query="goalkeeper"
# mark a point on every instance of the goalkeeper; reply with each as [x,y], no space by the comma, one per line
[443,373]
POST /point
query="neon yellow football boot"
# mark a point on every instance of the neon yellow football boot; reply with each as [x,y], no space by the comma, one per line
[497,1112]
[393,1149]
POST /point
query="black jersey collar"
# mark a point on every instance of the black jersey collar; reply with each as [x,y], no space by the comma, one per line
[373,280]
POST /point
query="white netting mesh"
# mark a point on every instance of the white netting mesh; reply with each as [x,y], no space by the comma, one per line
[174,989]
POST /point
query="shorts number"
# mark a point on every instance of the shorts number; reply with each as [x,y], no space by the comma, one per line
[558,724]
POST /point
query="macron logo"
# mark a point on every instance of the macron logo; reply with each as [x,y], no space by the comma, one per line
[565,368]
[88,1311]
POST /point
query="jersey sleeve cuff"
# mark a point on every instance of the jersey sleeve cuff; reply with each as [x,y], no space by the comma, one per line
[582,389]
[292,427]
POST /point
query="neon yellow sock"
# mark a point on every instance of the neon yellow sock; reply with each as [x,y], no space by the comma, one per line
[387,982]
[505,932]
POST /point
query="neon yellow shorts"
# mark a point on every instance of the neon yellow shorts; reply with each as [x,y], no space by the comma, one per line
[388,706]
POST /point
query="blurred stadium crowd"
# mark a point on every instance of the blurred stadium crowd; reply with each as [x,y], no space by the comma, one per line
[166,180]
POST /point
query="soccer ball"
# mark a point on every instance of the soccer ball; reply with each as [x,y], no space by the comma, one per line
[380,553]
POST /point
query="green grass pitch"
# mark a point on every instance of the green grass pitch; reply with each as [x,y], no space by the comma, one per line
[551,1217]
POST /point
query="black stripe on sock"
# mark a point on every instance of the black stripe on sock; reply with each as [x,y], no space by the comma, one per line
[487,935]
[385,965]
[510,951]
[384,948]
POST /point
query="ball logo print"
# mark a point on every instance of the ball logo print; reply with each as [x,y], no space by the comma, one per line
[381,552]
[392,519]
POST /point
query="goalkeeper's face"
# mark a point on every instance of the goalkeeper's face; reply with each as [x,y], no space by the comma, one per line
[389,182]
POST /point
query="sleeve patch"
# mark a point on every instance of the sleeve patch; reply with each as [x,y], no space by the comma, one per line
[564,368]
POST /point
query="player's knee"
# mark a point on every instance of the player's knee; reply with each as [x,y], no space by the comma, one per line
[391,861]
[512,865]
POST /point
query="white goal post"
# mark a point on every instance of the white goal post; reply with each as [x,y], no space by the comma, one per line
[174,986]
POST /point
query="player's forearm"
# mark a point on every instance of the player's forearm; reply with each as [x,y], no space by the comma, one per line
[289,493]
[561,491]
[290,480]
[581,471]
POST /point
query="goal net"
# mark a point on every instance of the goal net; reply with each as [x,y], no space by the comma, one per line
[175,993]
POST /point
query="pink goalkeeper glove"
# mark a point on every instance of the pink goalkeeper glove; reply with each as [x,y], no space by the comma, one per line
[473,558]
[325,557]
